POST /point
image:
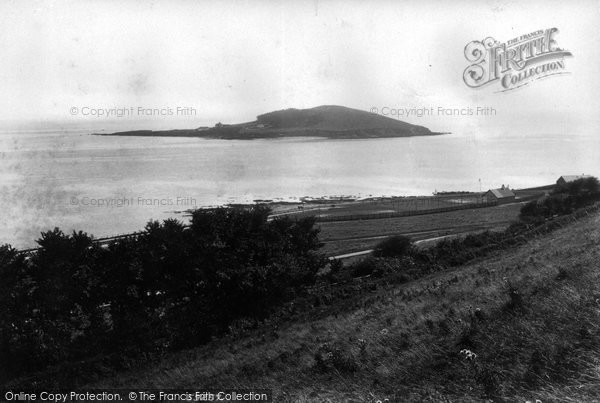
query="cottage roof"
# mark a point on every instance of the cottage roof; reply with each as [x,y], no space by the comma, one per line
[502,193]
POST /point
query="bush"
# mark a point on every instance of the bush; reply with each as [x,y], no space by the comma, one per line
[563,200]
[580,188]
[393,246]
[363,267]
[17,338]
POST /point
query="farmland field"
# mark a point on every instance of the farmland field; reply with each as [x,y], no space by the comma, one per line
[351,236]
[346,207]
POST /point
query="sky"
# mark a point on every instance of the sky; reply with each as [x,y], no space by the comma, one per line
[233,60]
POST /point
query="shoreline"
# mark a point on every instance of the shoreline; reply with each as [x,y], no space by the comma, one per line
[325,206]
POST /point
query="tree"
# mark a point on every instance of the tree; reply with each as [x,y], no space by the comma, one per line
[393,246]
[16,345]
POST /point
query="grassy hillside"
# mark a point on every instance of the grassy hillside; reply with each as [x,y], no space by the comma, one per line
[334,118]
[521,324]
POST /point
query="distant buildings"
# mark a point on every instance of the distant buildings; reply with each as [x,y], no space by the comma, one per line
[501,196]
[563,180]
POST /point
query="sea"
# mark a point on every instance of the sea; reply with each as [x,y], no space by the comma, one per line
[108,185]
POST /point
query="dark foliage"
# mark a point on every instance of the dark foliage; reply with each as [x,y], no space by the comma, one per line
[563,200]
[393,246]
[171,287]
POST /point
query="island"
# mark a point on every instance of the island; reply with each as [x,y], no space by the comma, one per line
[330,121]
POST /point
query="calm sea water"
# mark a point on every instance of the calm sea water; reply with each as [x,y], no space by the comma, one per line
[110,185]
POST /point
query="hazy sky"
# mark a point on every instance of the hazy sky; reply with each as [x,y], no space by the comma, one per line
[232,60]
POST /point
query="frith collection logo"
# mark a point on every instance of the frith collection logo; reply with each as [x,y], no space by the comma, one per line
[515,63]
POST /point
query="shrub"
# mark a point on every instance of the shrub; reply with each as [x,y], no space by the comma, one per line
[563,200]
[393,246]
[580,188]
[16,335]
[363,267]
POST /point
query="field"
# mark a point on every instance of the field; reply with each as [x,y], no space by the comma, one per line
[330,208]
[350,236]
[521,324]
[345,207]
[334,207]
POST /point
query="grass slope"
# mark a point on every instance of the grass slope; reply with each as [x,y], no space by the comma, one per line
[530,315]
[334,118]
